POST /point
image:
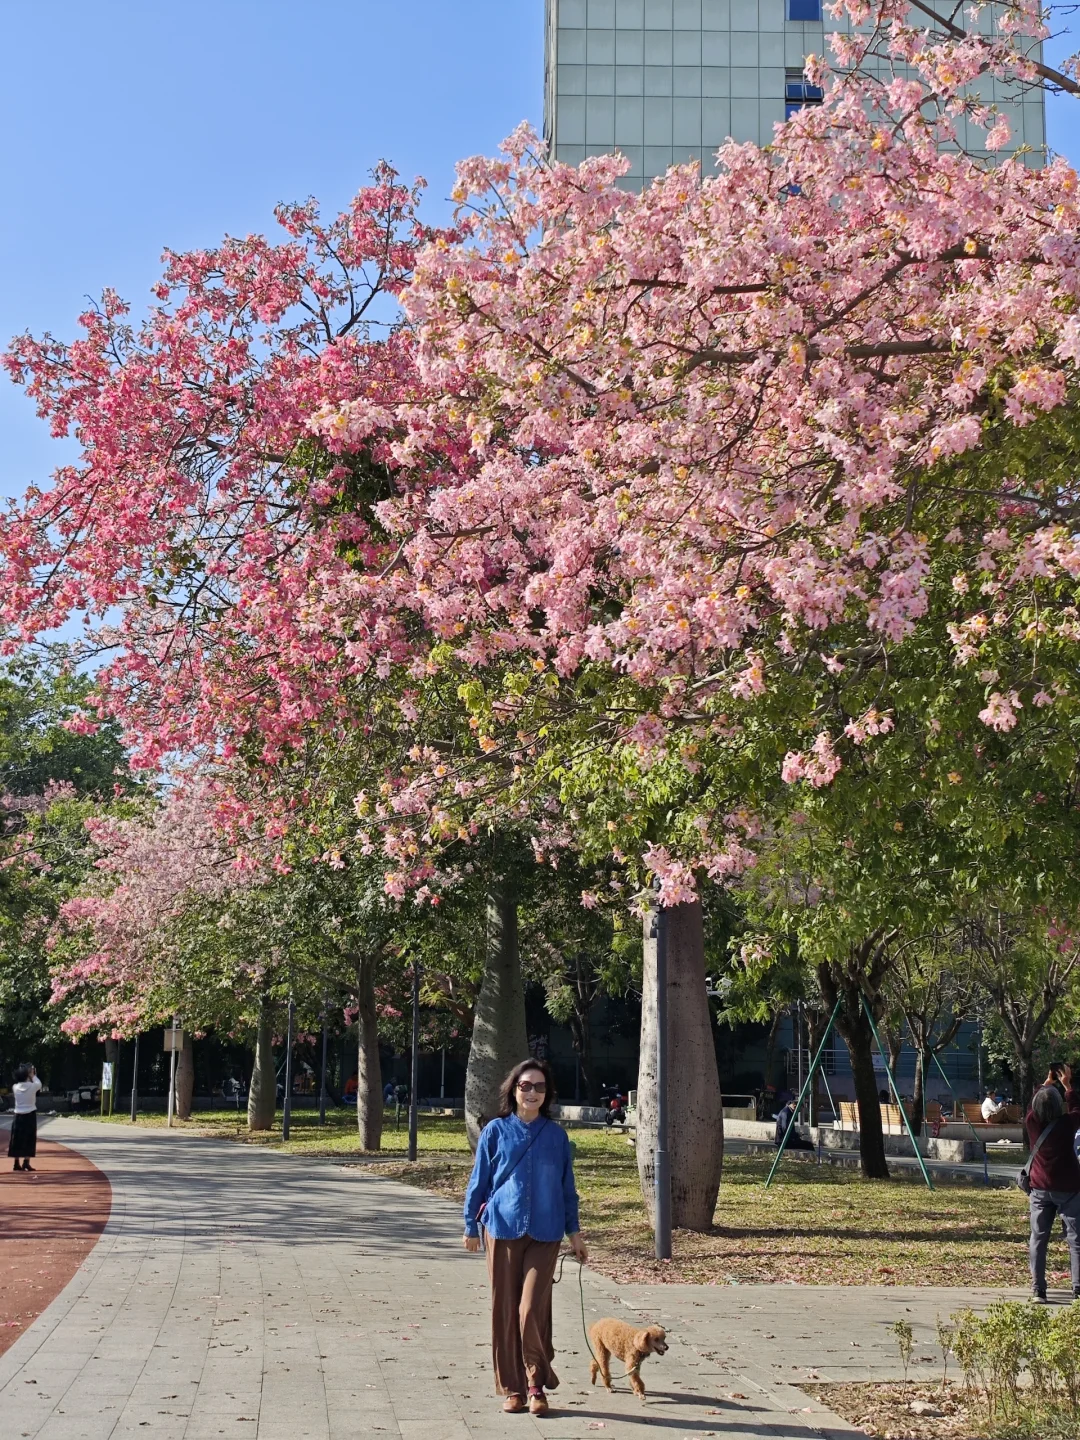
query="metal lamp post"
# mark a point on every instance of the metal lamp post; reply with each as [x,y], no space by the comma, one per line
[135,1084]
[322,1073]
[414,1079]
[661,1162]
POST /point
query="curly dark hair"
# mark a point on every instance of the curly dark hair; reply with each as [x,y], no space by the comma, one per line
[508,1089]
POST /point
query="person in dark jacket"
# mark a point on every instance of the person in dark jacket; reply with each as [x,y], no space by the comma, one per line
[785,1120]
[1055,1177]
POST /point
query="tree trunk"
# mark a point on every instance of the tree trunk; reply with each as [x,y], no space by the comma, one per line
[865,965]
[918,1098]
[185,1078]
[815,1028]
[894,1043]
[499,1037]
[581,1034]
[262,1092]
[770,1045]
[369,1100]
[695,1106]
[1025,1075]
[859,1041]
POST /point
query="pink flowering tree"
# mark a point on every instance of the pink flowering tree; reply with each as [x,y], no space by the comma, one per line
[117,964]
[712,421]
[208,508]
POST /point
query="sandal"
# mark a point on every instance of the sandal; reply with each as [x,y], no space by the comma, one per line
[538,1404]
[514,1404]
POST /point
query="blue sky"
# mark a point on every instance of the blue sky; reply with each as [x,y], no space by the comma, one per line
[129,125]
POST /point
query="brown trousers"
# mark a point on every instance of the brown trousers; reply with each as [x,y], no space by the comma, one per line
[521,1274]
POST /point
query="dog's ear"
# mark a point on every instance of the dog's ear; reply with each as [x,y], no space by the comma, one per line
[641,1342]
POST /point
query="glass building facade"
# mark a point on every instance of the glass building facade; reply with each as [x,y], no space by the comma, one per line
[665,81]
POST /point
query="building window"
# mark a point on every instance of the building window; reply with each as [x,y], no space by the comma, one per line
[804,10]
[799,92]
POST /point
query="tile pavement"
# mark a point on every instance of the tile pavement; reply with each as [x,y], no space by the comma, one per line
[242,1294]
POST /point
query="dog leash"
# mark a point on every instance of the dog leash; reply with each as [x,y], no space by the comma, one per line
[584,1326]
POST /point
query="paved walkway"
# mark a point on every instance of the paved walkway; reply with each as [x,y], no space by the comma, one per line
[240,1293]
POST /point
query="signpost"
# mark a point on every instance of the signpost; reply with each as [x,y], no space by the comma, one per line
[107,1086]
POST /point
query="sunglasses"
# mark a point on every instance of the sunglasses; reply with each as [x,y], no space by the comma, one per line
[527,1087]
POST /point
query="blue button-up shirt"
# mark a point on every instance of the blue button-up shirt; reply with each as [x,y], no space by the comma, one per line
[528,1191]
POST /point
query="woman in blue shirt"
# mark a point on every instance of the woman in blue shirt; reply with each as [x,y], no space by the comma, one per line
[522,1193]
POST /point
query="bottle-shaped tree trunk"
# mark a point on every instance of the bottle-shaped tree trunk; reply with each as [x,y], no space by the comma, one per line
[369,1100]
[185,1078]
[499,1037]
[262,1092]
[695,1105]
[112,1057]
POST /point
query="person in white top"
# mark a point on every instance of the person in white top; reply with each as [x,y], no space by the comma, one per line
[992,1105]
[22,1142]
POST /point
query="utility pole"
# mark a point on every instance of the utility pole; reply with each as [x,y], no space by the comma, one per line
[286,1109]
[135,1084]
[415,1075]
[442,1076]
[661,1164]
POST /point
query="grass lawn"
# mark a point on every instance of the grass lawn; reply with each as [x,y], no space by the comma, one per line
[817,1225]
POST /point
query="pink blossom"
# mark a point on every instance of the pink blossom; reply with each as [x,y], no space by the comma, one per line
[1000,711]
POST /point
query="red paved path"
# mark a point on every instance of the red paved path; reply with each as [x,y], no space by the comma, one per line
[50,1220]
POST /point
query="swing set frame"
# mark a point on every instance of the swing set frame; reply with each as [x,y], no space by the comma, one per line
[816,1066]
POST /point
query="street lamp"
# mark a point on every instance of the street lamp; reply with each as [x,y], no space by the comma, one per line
[135,1083]
[322,1073]
[415,1075]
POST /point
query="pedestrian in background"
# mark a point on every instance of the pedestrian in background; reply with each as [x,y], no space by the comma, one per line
[522,1192]
[992,1105]
[22,1142]
[1054,1173]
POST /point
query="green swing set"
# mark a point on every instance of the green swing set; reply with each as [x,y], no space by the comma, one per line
[814,1068]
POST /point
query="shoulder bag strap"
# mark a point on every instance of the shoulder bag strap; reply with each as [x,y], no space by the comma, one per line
[1038,1143]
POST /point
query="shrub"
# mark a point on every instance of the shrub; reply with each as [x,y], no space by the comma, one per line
[998,1349]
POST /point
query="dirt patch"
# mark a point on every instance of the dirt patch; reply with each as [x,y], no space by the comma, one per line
[52,1218]
[884,1410]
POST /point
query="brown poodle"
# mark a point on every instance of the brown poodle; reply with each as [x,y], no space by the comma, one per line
[615,1337]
